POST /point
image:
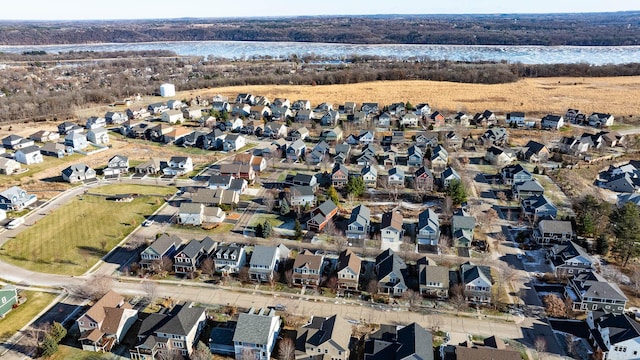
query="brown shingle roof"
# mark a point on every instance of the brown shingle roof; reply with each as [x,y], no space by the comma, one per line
[309,259]
[392,219]
[109,300]
[349,259]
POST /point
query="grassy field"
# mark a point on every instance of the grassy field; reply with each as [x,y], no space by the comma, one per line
[115,189]
[261,218]
[17,318]
[48,162]
[75,236]
[66,352]
[533,96]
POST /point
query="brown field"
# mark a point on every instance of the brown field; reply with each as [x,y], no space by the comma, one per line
[534,96]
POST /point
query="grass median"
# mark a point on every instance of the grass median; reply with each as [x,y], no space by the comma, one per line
[75,236]
[20,316]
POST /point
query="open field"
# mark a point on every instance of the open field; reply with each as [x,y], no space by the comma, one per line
[66,352]
[115,189]
[534,96]
[19,317]
[61,243]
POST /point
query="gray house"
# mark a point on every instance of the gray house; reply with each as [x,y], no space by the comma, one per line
[358,225]
[569,259]
[265,260]
[15,198]
[428,231]
[477,282]
[589,291]
[553,231]
[76,140]
[164,246]
[77,173]
[539,207]
[433,281]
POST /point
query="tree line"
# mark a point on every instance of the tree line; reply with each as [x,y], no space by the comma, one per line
[590,29]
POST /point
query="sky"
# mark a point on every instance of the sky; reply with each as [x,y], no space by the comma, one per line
[142,9]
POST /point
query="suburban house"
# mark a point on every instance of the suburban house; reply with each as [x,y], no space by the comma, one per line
[95,122]
[571,114]
[449,175]
[534,152]
[8,298]
[538,207]
[119,164]
[516,118]
[234,142]
[256,334]
[238,171]
[439,158]
[229,259]
[295,151]
[300,133]
[323,337]
[191,214]
[437,119]
[275,130]
[66,127]
[498,157]
[330,118]
[348,270]
[77,173]
[260,112]
[304,116]
[189,257]
[216,197]
[163,247]
[390,272]
[172,116]
[115,117]
[384,120]
[569,259]
[395,342]
[423,179]
[98,136]
[477,282]
[415,157]
[178,165]
[301,196]
[433,281]
[600,120]
[106,323]
[305,180]
[426,140]
[496,136]
[331,136]
[54,149]
[391,231]
[428,231]
[462,227]
[553,231]
[76,140]
[527,189]
[423,109]
[410,120]
[396,177]
[15,199]
[307,268]
[16,142]
[158,132]
[359,224]
[514,174]
[301,105]
[369,108]
[552,122]
[589,291]
[484,119]
[339,176]
[43,136]
[164,335]
[614,336]
[265,260]
[152,166]
[9,166]
[29,155]
[176,135]
[369,176]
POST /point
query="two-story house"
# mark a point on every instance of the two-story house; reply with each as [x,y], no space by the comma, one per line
[428,231]
[339,176]
[234,142]
[301,196]
[348,270]
[190,214]
[462,228]
[589,291]
[189,257]
[498,157]
[433,281]
[399,342]
[170,334]
[448,175]
[527,189]
[265,261]
[390,273]
[614,336]
[568,259]
[515,118]
[178,165]
[534,152]
[78,172]
[423,179]
[396,178]
[321,215]
[119,164]
[98,136]
[15,199]
[163,247]
[229,258]
[256,333]
[296,150]
[477,282]
[439,158]
[307,268]
[106,323]
[551,121]
[76,140]
[514,174]
[95,122]
[325,338]
[29,155]
[391,230]
[538,207]
[553,231]
[369,176]
[358,226]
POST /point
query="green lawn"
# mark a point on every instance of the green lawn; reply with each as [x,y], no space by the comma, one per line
[19,317]
[247,147]
[261,218]
[283,176]
[66,352]
[116,189]
[75,236]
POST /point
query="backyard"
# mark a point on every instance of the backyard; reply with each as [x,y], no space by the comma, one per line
[74,237]
[20,316]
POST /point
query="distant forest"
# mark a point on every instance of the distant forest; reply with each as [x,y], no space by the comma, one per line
[590,29]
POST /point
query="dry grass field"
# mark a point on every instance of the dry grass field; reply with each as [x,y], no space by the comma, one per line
[615,95]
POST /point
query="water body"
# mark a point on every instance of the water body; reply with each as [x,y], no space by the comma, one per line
[250,49]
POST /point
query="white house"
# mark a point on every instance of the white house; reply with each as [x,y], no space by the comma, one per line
[178,165]
[167,90]
[410,120]
[234,142]
[172,116]
[616,336]
[191,214]
[391,231]
[256,333]
[29,155]
[552,122]
[98,136]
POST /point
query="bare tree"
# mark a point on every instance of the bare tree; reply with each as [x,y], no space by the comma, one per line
[164,264]
[436,323]
[372,286]
[540,344]
[268,201]
[457,298]
[150,289]
[288,277]
[554,306]
[507,272]
[286,349]
[243,275]
[340,243]
[208,267]
[447,209]
[411,297]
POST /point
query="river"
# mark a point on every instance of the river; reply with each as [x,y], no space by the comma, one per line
[250,49]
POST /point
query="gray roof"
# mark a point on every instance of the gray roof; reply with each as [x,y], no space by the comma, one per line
[164,242]
[555,226]
[253,328]
[190,208]
[471,272]
[263,255]
[360,214]
[192,248]
[302,191]
[463,222]
[430,273]
[326,207]
[531,185]
[182,321]
[30,149]
[428,217]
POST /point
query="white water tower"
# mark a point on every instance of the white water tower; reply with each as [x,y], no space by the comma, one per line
[167,90]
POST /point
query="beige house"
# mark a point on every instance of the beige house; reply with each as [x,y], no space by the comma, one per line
[325,338]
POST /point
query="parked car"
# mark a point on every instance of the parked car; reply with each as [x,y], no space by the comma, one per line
[147,223]
[13,224]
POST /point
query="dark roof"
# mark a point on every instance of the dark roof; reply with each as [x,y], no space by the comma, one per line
[471,272]
[182,320]
[263,255]
[326,207]
[393,343]
[534,147]
[388,262]
[621,327]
